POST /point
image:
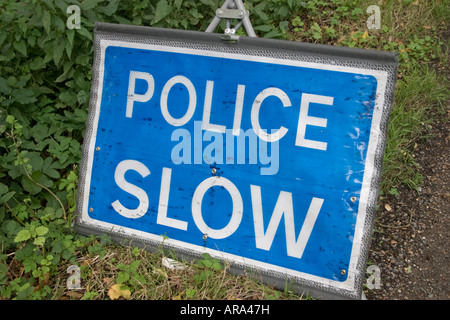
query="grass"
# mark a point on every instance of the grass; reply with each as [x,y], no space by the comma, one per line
[145,276]
[419,98]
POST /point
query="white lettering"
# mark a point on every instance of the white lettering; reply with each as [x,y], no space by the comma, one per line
[192,100]
[255,113]
[206,125]
[238,109]
[132,96]
[284,205]
[304,120]
[119,177]
[237,210]
[164,203]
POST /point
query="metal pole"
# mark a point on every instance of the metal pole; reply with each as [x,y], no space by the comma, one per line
[232,9]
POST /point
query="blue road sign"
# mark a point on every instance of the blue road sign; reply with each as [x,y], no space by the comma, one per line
[264,161]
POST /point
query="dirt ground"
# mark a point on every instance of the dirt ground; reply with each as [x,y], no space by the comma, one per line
[410,244]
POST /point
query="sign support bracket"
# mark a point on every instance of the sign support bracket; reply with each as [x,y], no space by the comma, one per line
[232,9]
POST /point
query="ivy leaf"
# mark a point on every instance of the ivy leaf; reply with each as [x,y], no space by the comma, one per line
[23,235]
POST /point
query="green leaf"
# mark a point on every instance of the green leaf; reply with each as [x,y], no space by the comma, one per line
[29,265]
[58,50]
[24,95]
[23,235]
[48,167]
[122,277]
[134,265]
[217,265]
[70,34]
[264,28]
[39,241]
[272,34]
[3,188]
[82,97]
[47,21]
[89,4]
[83,31]
[207,263]
[37,63]
[206,256]
[110,9]
[69,48]
[283,11]
[21,47]
[7,196]
[25,291]
[10,227]
[41,230]
[68,97]
[4,87]
[284,26]
[162,10]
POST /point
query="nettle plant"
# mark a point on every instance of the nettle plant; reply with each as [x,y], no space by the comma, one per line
[45,75]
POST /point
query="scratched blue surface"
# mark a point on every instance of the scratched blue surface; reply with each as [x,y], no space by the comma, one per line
[334,175]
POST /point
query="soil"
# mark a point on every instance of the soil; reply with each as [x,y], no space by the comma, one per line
[410,243]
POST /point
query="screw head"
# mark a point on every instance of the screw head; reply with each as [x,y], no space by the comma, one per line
[98,148]
[91,209]
[213,170]
[353,199]
[343,272]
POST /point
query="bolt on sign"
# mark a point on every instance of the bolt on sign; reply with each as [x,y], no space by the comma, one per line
[266,154]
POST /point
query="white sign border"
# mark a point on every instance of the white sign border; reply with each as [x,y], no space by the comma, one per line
[358,240]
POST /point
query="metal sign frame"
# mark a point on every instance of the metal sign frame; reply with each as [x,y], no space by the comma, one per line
[383,65]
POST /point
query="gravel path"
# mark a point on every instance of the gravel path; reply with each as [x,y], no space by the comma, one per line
[410,244]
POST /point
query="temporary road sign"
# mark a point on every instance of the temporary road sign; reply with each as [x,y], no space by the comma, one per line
[266,154]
